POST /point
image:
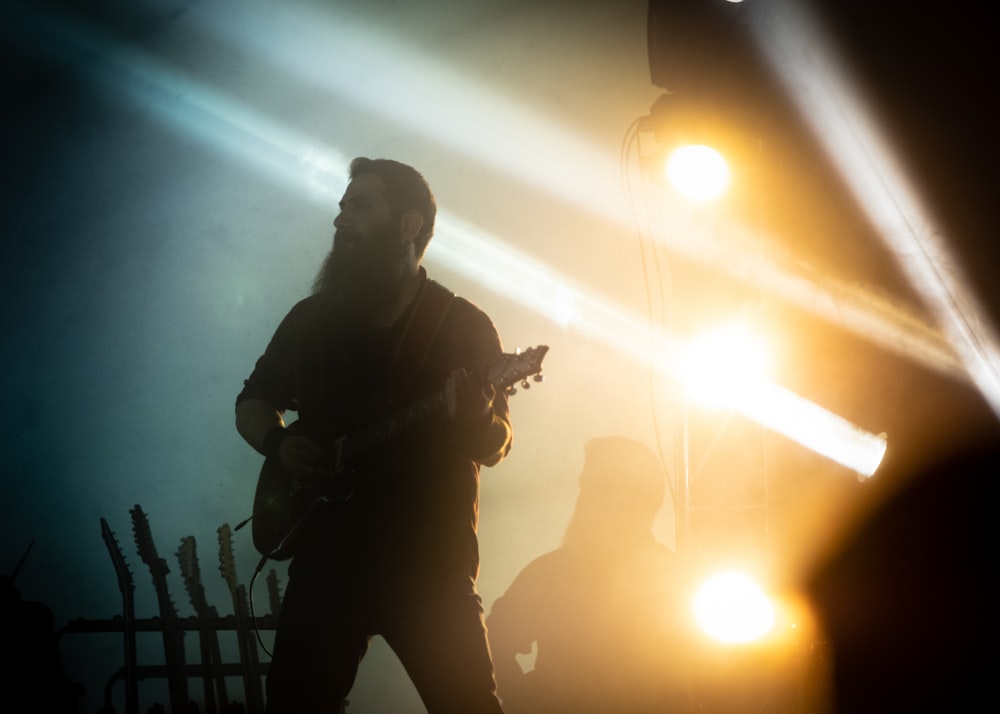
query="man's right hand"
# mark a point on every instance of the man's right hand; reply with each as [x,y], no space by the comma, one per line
[301,457]
[264,429]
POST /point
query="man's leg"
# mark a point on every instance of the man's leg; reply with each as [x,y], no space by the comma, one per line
[320,640]
[441,641]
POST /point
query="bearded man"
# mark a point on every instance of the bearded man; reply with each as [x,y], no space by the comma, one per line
[397,555]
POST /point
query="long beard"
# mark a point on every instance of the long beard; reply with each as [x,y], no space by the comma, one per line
[359,281]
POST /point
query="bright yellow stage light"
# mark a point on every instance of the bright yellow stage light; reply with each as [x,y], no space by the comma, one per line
[721,366]
[697,172]
[731,608]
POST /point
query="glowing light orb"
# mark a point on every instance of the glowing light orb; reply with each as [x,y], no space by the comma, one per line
[698,172]
[723,367]
[731,608]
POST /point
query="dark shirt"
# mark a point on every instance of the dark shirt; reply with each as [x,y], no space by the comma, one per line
[414,512]
[607,625]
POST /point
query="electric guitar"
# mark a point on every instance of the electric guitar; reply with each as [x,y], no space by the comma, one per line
[213,680]
[173,635]
[126,584]
[284,505]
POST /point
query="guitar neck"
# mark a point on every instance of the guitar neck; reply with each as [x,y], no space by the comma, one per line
[396,423]
[253,692]
[173,635]
[173,644]
[248,651]
[213,680]
[126,585]
[502,375]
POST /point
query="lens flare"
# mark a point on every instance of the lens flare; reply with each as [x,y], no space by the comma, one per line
[698,172]
[720,366]
[731,608]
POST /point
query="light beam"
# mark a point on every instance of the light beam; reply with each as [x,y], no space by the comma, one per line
[295,160]
[813,76]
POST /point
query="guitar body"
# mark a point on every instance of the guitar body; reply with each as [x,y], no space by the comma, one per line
[284,507]
[271,504]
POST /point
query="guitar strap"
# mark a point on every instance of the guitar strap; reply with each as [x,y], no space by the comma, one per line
[432,303]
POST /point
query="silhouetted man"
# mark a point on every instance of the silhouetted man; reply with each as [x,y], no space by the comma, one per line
[399,557]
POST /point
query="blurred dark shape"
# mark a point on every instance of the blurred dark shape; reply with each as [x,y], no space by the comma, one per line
[31,672]
[601,610]
[909,602]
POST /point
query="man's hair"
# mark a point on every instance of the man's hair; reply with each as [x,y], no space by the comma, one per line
[406,190]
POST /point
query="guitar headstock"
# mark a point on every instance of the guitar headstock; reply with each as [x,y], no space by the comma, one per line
[515,368]
[227,565]
[144,542]
[187,555]
[124,574]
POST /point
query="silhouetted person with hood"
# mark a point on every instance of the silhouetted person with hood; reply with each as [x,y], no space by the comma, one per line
[603,609]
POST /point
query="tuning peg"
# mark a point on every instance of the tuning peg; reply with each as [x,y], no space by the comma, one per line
[539,378]
[525,384]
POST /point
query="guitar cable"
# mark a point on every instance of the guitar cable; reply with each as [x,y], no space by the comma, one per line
[253,616]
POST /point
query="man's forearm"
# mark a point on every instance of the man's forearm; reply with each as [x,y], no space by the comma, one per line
[254,419]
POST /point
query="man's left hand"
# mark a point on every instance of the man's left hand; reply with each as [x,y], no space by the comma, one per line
[469,399]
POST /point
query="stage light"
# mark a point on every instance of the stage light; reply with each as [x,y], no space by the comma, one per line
[733,609]
[697,172]
[720,366]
